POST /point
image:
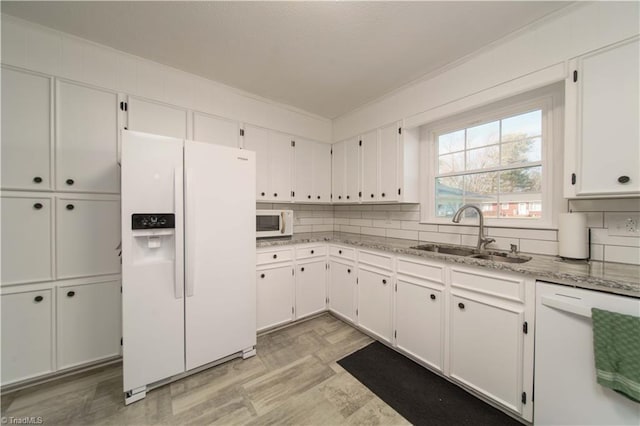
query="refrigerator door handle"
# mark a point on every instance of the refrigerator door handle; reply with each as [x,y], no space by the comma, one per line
[178,282]
[190,234]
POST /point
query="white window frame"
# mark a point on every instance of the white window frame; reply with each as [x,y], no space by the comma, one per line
[551,101]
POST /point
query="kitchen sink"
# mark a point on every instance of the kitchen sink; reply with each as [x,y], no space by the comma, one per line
[456,251]
[473,253]
[501,257]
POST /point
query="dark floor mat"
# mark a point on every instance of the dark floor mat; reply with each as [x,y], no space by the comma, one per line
[420,396]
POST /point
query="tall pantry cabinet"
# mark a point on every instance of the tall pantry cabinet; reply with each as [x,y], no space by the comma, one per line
[60,282]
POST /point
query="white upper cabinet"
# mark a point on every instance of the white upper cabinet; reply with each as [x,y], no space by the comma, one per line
[212,129]
[338,181]
[380,166]
[86,139]
[389,140]
[26,239]
[274,163]
[346,171]
[280,166]
[159,119]
[26,130]
[322,172]
[370,165]
[303,181]
[352,190]
[312,171]
[602,148]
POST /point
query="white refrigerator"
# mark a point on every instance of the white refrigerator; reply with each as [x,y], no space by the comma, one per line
[188,258]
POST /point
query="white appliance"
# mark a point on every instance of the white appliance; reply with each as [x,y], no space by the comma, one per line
[566,391]
[188,258]
[274,223]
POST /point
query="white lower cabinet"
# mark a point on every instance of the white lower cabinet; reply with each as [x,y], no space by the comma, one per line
[374,310]
[342,289]
[27,334]
[490,348]
[88,323]
[419,321]
[275,293]
[311,288]
[26,239]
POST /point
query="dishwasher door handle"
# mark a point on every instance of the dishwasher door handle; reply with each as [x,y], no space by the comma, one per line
[561,305]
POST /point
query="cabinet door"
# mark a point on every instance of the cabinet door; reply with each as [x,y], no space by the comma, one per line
[275,293]
[257,139]
[338,177]
[486,349]
[311,288]
[304,162]
[156,118]
[87,139]
[87,237]
[374,303]
[88,323]
[27,335]
[342,290]
[322,172]
[26,130]
[419,322]
[26,240]
[280,166]
[389,139]
[608,131]
[369,150]
[352,170]
[212,129]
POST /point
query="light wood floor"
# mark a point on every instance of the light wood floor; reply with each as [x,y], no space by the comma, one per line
[293,380]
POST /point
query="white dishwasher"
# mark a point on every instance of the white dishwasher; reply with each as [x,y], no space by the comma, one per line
[566,391]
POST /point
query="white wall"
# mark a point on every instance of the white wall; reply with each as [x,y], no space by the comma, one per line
[576,30]
[29,46]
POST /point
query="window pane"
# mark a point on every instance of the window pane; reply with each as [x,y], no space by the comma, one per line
[485,134]
[451,142]
[522,151]
[522,126]
[479,185]
[449,195]
[481,189]
[482,158]
[451,163]
[523,206]
[526,179]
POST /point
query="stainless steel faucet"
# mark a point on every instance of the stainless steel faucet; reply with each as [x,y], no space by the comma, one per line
[482,240]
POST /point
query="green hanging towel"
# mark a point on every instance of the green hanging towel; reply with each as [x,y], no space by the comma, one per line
[616,346]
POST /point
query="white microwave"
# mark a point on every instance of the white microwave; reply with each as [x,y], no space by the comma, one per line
[274,223]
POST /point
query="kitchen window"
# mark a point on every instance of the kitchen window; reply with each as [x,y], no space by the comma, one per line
[499,159]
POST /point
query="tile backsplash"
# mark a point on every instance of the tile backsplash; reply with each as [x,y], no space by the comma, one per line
[602,216]
[403,221]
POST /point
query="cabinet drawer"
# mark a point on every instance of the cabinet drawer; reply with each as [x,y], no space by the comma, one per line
[506,287]
[273,256]
[376,259]
[421,270]
[310,251]
[342,252]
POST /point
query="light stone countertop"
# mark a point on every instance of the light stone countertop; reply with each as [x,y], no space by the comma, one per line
[608,277]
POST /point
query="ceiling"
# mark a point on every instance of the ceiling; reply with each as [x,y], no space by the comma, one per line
[327,58]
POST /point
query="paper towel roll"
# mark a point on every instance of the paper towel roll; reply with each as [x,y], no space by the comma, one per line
[573,236]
